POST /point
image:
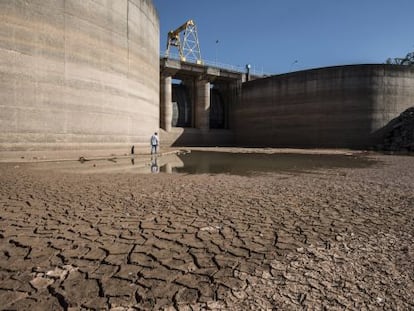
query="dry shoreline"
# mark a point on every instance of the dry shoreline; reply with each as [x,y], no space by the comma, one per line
[336,239]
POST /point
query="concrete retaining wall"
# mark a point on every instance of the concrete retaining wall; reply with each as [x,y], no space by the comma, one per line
[78,74]
[345,106]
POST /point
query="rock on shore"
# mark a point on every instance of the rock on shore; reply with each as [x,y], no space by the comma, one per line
[401,135]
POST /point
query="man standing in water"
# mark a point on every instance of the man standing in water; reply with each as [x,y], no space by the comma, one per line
[155,141]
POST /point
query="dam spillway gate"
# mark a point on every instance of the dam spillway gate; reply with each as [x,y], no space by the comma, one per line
[196,103]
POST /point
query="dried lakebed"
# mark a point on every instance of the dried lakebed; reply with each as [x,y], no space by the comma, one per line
[336,238]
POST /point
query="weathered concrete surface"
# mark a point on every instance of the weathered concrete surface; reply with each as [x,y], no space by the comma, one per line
[202,105]
[78,74]
[166,110]
[329,107]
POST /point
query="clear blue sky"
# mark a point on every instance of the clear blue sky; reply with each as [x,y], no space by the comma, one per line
[273,34]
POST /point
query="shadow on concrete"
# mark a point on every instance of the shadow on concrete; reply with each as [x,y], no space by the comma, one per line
[192,137]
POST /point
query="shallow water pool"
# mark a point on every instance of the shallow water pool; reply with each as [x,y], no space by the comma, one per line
[212,162]
[208,162]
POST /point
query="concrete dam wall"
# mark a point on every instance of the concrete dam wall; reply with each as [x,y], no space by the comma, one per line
[345,107]
[78,74]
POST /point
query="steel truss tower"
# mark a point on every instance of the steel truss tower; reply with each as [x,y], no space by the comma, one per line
[188,47]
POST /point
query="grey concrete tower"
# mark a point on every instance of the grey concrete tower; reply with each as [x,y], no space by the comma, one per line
[78,74]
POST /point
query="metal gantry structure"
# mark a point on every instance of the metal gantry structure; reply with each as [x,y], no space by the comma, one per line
[185,39]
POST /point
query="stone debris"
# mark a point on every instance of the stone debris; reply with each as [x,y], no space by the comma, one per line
[210,228]
[401,136]
[40,282]
[61,273]
[57,273]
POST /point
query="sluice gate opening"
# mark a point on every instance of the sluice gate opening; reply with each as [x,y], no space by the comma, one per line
[183,106]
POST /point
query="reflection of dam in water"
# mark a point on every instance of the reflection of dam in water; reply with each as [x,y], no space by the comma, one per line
[140,164]
[207,162]
[248,164]
[183,112]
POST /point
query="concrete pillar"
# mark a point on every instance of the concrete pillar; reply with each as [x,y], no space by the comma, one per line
[202,106]
[166,102]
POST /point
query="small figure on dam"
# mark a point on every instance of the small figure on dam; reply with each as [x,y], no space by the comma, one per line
[155,141]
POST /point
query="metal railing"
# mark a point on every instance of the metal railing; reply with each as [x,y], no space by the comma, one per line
[236,68]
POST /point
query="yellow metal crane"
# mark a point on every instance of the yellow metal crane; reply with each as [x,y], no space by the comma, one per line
[189,49]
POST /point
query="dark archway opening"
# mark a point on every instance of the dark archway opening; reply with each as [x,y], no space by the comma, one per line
[218,109]
[182,114]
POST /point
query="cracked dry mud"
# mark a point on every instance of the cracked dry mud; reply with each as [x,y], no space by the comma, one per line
[330,240]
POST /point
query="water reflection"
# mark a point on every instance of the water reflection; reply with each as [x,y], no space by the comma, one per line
[208,162]
[201,162]
[154,165]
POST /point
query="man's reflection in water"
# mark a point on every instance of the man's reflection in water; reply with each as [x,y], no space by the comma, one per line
[154,165]
[133,161]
